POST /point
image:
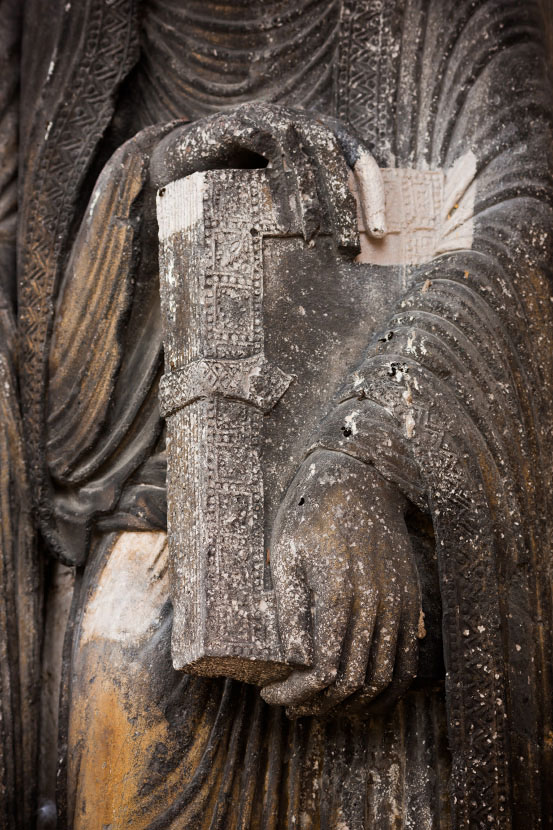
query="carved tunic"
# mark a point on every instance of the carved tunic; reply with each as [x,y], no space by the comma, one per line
[200,58]
[452,401]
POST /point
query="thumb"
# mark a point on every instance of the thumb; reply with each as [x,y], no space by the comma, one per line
[292,603]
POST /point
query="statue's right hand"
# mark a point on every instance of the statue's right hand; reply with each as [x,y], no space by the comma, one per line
[312,153]
[347,589]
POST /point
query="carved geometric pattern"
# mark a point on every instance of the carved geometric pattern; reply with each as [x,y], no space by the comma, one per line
[251,380]
[365,81]
[106,52]
[216,387]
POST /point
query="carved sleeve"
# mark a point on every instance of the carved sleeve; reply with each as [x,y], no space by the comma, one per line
[20,610]
[103,418]
[453,399]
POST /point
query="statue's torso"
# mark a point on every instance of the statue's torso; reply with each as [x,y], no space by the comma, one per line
[199,58]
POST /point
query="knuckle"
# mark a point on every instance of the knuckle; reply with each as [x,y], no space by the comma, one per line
[325,675]
[381,679]
[298,655]
[348,687]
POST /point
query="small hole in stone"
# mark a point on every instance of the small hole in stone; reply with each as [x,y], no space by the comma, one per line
[301,501]
[346,431]
[162,192]
[254,232]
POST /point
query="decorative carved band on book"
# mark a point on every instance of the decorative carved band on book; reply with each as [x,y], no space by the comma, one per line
[249,379]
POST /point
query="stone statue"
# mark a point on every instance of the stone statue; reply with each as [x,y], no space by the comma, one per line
[371,342]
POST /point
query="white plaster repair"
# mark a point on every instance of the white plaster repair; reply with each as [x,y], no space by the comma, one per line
[180,205]
[428,212]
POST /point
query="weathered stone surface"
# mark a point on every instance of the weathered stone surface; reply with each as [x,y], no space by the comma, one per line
[412,446]
[216,390]
[226,269]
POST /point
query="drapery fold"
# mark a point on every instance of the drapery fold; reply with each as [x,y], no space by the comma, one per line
[455,407]
[456,390]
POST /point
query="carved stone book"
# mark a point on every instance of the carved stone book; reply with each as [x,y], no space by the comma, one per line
[217,387]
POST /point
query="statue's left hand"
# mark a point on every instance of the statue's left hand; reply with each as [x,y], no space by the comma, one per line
[312,154]
[347,588]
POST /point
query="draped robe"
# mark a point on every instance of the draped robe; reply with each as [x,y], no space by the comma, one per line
[454,407]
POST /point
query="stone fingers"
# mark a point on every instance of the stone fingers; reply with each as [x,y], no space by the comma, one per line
[383,651]
[332,175]
[407,654]
[293,603]
[355,654]
[332,595]
[317,162]
[394,661]
[406,663]
[301,168]
[368,177]
[370,186]
[306,151]
[215,142]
